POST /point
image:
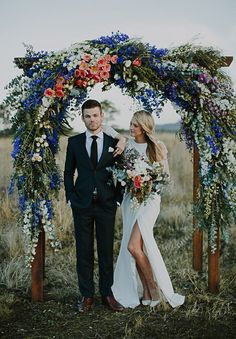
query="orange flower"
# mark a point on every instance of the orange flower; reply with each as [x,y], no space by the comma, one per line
[49,92]
[83,65]
[137,62]
[60,80]
[94,70]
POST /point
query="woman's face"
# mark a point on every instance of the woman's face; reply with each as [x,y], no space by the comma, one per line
[135,129]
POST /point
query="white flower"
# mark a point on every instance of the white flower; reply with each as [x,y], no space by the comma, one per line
[116,77]
[140,85]
[127,63]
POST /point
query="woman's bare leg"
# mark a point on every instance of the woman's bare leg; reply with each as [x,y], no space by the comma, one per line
[146,294]
[135,247]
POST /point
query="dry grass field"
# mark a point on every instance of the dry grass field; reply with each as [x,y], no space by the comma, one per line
[202,316]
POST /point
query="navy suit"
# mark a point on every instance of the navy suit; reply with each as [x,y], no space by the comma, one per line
[89,212]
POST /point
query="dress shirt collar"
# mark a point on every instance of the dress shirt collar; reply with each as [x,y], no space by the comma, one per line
[89,134]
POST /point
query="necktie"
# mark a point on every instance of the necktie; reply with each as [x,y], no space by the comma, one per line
[94,151]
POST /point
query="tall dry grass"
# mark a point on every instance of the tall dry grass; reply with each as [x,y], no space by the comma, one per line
[173,234]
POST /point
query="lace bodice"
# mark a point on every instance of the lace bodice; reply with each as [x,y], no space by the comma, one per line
[140,147]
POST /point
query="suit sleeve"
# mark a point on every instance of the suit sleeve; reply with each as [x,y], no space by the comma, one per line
[70,166]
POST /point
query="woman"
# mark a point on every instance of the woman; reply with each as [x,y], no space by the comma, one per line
[139,252]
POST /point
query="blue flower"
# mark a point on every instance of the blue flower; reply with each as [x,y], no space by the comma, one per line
[11,186]
[22,201]
[217,129]
[121,83]
[49,209]
[212,144]
[16,147]
[55,181]
[36,213]
[53,140]
[111,41]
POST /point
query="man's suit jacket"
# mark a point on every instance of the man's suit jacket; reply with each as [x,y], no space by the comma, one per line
[80,193]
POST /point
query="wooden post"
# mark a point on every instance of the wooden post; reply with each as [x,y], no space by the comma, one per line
[213,266]
[197,234]
[37,269]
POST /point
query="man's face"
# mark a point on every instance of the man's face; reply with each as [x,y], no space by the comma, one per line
[92,118]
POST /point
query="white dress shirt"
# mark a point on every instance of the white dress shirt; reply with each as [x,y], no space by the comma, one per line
[99,140]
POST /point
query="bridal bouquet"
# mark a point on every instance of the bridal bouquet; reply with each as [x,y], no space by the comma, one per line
[139,177]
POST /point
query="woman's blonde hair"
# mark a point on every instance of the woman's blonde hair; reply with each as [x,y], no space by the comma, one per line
[144,119]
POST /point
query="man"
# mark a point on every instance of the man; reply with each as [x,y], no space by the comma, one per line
[93,201]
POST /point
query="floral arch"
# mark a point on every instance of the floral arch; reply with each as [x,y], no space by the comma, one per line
[44,97]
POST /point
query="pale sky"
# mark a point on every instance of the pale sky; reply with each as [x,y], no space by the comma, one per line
[56,24]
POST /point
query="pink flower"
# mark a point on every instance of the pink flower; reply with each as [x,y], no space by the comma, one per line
[114,59]
[107,58]
[59,87]
[60,94]
[96,78]
[106,68]
[49,92]
[81,73]
[137,62]
[137,181]
[81,83]
[104,75]
[101,62]
[87,57]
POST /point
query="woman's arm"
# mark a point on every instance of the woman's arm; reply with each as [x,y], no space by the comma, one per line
[114,134]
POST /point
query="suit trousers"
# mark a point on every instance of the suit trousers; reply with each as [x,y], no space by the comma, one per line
[86,220]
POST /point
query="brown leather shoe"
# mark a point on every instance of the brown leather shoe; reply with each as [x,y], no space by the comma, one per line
[111,303]
[85,305]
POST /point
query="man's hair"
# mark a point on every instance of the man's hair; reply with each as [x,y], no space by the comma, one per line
[91,104]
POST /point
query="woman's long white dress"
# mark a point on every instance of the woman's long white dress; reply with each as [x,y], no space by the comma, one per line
[126,286]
